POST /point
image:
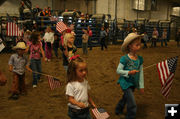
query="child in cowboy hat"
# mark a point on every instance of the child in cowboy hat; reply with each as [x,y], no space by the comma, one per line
[130,69]
[17,64]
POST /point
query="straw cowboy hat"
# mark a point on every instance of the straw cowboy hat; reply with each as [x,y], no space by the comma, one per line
[20,45]
[128,40]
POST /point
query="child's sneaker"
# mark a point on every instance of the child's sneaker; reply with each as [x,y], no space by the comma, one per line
[34,86]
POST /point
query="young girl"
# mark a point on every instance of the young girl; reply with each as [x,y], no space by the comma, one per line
[77,90]
[85,38]
[155,35]
[35,55]
[68,49]
[130,69]
[49,40]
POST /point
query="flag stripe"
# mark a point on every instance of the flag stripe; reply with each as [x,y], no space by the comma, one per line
[160,74]
[100,115]
[13,29]
[61,27]
[166,70]
[53,83]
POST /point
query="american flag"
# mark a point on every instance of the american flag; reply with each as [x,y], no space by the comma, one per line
[166,71]
[53,82]
[60,26]
[100,113]
[13,29]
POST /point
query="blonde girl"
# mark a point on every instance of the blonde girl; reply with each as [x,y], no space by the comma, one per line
[68,49]
[130,69]
[77,90]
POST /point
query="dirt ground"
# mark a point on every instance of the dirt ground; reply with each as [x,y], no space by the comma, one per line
[42,103]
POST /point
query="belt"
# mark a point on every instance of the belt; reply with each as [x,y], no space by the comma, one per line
[79,110]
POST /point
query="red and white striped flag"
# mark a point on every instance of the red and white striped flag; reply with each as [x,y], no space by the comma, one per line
[60,27]
[100,113]
[13,29]
[166,71]
[53,82]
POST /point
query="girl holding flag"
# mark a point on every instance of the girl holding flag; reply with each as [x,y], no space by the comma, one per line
[35,55]
[130,69]
[77,89]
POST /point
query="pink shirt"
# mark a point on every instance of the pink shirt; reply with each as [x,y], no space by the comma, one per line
[62,40]
[90,33]
[35,51]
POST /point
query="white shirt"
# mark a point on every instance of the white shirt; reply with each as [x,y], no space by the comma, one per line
[49,37]
[78,90]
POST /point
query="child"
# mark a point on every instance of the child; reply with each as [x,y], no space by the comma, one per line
[103,35]
[77,90]
[17,64]
[90,33]
[35,55]
[85,38]
[49,40]
[68,49]
[164,37]
[130,69]
[145,39]
[155,35]
[56,44]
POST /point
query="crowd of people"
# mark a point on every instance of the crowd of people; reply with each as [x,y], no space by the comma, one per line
[39,47]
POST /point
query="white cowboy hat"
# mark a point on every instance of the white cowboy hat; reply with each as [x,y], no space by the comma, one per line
[20,45]
[128,40]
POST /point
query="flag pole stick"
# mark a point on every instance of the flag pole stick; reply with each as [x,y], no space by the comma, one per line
[156,63]
[45,74]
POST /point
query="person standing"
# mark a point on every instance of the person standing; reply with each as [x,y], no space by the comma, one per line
[90,37]
[103,35]
[49,40]
[164,37]
[85,38]
[155,35]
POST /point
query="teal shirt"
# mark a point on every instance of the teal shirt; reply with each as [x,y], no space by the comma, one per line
[126,64]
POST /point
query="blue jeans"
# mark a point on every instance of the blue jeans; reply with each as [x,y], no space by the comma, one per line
[56,51]
[165,41]
[36,66]
[85,46]
[128,98]
[78,115]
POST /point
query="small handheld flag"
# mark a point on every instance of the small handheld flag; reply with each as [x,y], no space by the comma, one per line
[60,27]
[166,71]
[53,82]
[100,113]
